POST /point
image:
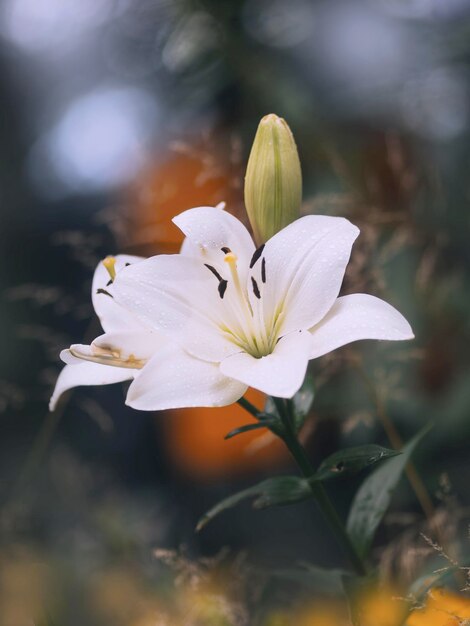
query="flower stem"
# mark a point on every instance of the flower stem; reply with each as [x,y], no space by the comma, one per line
[289,436]
[243,402]
[326,506]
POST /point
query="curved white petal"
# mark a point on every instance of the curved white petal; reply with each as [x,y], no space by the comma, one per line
[112,316]
[174,379]
[211,229]
[178,296]
[68,358]
[84,373]
[305,264]
[279,374]
[356,317]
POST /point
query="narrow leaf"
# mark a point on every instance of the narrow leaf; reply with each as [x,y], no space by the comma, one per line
[247,428]
[351,460]
[273,491]
[374,496]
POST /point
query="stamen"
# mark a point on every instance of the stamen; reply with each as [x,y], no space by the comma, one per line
[231,259]
[255,288]
[222,287]
[226,250]
[256,255]
[110,264]
[103,291]
[263,270]
[214,271]
[109,357]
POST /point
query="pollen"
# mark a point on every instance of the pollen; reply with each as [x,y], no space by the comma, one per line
[110,264]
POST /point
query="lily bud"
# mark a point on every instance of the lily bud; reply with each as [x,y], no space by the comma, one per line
[273,182]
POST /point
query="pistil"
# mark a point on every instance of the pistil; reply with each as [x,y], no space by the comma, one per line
[231,259]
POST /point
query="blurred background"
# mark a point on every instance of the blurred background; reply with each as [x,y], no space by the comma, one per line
[117,115]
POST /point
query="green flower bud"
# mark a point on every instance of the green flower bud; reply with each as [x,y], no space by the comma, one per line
[273,182]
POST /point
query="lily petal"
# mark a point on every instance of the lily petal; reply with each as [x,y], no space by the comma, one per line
[175,379]
[304,268]
[279,374]
[189,248]
[113,316]
[211,229]
[84,373]
[356,317]
[178,297]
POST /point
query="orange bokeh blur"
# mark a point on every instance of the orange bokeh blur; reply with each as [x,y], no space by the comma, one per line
[388,607]
[443,608]
[196,174]
[199,175]
[195,441]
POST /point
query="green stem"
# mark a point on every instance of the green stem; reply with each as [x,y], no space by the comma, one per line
[298,453]
[243,402]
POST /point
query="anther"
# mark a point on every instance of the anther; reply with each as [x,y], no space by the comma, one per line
[104,292]
[110,264]
[263,270]
[256,255]
[226,250]
[222,287]
[214,271]
[256,290]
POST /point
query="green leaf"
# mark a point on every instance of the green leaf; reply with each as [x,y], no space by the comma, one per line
[352,460]
[248,427]
[301,403]
[273,491]
[374,496]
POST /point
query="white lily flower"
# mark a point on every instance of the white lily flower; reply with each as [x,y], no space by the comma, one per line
[124,348]
[238,317]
